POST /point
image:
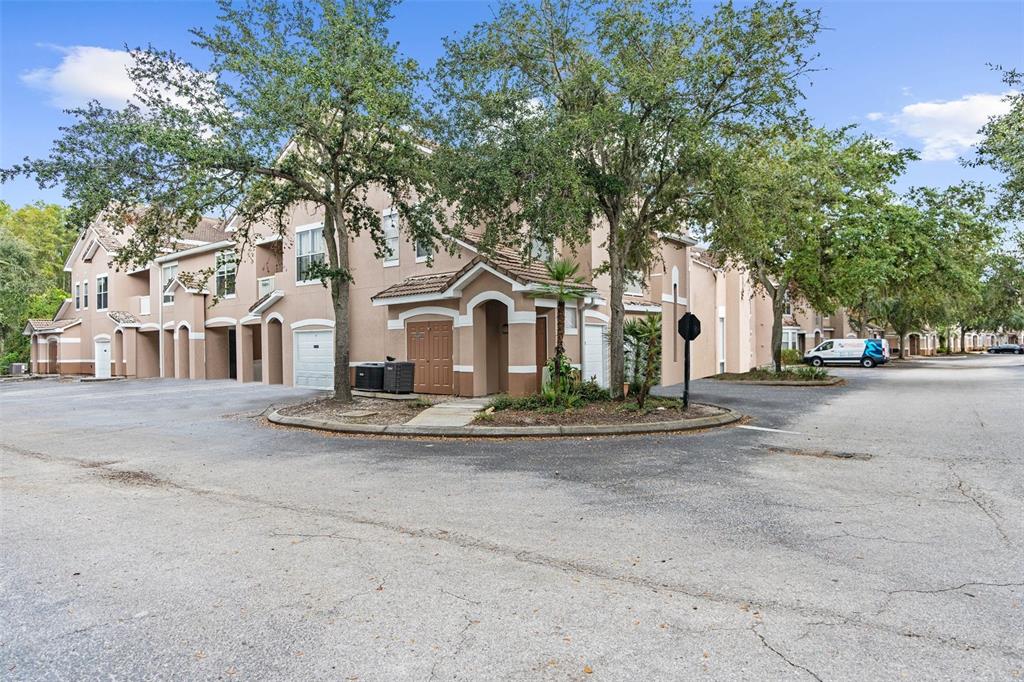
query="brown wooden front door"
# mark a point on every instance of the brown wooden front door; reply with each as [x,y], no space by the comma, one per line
[430,347]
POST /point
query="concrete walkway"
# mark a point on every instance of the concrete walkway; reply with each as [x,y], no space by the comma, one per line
[455,412]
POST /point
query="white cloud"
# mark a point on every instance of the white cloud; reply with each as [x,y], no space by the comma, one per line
[83,74]
[875,116]
[947,129]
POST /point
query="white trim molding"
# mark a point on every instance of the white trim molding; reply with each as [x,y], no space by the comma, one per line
[101,337]
[596,315]
[423,310]
[667,298]
[250,319]
[514,316]
[60,340]
[275,317]
[149,326]
[197,336]
[522,369]
[221,322]
[462,368]
[312,322]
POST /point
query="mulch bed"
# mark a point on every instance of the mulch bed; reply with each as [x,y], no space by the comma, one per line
[384,411]
[757,375]
[599,413]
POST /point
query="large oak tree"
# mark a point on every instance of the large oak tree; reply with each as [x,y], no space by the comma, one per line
[560,115]
[300,103]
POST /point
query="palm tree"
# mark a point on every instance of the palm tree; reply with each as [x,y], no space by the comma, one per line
[566,285]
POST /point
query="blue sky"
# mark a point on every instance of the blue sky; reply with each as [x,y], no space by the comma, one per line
[912,72]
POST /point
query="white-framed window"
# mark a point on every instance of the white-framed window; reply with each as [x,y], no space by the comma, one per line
[540,249]
[309,249]
[78,296]
[102,295]
[423,252]
[790,339]
[227,268]
[167,273]
[85,294]
[634,285]
[787,305]
[571,320]
[389,224]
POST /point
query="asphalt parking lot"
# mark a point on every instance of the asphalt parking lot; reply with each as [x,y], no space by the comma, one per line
[160,529]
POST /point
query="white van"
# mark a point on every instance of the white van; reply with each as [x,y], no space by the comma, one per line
[863,352]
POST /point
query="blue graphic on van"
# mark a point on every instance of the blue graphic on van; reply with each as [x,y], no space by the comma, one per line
[873,348]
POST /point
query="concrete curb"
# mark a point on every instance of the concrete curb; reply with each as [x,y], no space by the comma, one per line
[834,381]
[472,431]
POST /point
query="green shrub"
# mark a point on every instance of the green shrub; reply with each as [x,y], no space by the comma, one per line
[791,356]
[810,373]
[590,391]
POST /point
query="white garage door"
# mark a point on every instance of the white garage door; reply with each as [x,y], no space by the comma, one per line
[314,359]
[595,354]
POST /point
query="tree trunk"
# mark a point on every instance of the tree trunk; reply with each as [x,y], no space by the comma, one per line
[903,344]
[559,342]
[617,361]
[963,340]
[336,241]
[778,307]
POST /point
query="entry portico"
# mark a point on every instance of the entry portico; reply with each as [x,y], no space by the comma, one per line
[476,331]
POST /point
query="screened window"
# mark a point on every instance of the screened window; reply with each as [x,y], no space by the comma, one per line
[78,296]
[167,273]
[634,284]
[389,222]
[423,251]
[540,250]
[227,267]
[309,249]
[101,293]
[571,324]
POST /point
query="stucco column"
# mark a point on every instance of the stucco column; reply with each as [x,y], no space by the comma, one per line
[522,358]
[131,361]
[244,352]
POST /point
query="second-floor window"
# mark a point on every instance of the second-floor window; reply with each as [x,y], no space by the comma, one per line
[540,250]
[309,249]
[78,296]
[423,251]
[227,267]
[167,273]
[389,223]
[85,294]
[101,292]
[634,284]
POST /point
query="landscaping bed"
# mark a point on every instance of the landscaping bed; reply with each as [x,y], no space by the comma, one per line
[603,412]
[788,375]
[360,410]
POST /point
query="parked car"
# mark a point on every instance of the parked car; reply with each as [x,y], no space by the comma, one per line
[1015,348]
[863,352]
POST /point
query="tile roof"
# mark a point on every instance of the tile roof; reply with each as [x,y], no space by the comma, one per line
[123,317]
[640,301]
[433,283]
[707,258]
[208,230]
[52,325]
[514,264]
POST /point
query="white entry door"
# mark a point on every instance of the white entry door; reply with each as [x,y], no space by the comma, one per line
[314,359]
[595,354]
[102,359]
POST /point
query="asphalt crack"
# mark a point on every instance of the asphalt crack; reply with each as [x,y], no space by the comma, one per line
[967,491]
[793,664]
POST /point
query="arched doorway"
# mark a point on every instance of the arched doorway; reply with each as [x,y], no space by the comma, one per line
[273,365]
[119,365]
[915,344]
[182,342]
[490,348]
[147,354]
[51,355]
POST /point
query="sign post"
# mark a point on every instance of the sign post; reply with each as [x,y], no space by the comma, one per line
[688,328]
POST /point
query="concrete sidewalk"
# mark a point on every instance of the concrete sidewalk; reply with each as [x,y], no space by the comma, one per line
[455,412]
